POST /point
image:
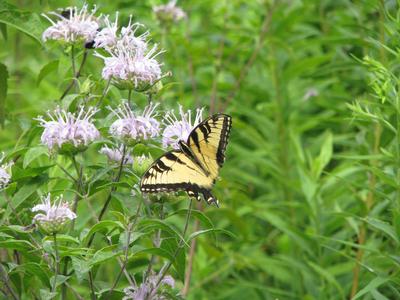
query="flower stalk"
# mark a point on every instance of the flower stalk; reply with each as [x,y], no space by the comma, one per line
[56,263]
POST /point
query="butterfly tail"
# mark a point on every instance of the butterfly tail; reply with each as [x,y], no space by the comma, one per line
[208,197]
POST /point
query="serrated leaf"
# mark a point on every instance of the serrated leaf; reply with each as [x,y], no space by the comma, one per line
[104,255]
[81,268]
[34,153]
[46,70]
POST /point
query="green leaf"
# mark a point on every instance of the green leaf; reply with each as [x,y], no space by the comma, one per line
[372,285]
[107,225]
[155,251]
[34,269]
[3,91]
[213,230]
[63,238]
[3,29]
[24,21]
[19,245]
[34,153]
[197,214]
[103,255]
[47,295]
[154,224]
[46,70]
[329,277]
[20,197]
[325,155]
[81,268]
[384,227]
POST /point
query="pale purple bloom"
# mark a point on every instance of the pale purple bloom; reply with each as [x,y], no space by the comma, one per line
[311,92]
[78,25]
[5,174]
[169,12]
[53,217]
[64,127]
[115,154]
[148,289]
[110,37]
[178,129]
[129,62]
[130,125]
[132,68]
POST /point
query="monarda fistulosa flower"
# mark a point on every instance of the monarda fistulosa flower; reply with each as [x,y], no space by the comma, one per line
[69,133]
[52,218]
[74,25]
[130,63]
[169,12]
[5,173]
[149,289]
[133,127]
[177,129]
[115,154]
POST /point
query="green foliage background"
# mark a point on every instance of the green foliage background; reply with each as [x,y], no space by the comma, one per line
[311,185]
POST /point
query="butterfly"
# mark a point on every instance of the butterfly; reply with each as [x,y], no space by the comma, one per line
[195,166]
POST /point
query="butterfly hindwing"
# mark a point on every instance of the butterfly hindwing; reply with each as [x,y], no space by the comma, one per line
[176,171]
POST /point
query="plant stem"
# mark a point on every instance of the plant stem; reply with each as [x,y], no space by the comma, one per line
[76,75]
[129,97]
[191,66]
[73,60]
[57,263]
[79,184]
[249,63]
[92,291]
[192,252]
[6,282]
[105,91]
[372,178]
[113,189]
[217,69]
[128,237]
[181,243]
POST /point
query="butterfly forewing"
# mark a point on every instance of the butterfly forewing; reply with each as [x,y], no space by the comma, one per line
[208,142]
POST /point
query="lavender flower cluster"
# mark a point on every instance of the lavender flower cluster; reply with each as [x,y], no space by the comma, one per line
[129,63]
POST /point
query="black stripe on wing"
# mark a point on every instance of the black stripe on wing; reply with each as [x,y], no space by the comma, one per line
[206,127]
[193,190]
[225,131]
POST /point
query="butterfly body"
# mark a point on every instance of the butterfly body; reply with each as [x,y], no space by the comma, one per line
[195,166]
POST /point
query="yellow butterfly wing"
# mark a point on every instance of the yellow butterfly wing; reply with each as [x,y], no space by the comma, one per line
[195,167]
[176,171]
[208,142]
